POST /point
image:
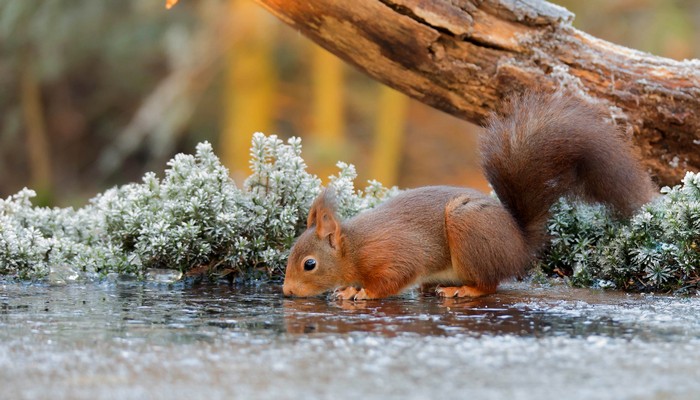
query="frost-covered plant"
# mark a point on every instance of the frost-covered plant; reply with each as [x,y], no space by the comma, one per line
[657,250]
[576,232]
[193,219]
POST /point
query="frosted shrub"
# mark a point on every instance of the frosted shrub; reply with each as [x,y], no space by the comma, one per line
[657,250]
[194,218]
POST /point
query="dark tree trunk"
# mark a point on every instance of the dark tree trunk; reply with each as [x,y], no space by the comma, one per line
[464,56]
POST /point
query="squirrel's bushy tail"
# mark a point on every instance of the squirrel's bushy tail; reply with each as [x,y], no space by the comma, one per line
[548,146]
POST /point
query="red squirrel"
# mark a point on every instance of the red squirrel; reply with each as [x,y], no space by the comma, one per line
[543,147]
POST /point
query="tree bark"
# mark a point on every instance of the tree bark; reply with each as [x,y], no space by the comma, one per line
[465,56]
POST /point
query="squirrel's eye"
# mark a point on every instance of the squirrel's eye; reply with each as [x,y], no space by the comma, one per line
[309,264]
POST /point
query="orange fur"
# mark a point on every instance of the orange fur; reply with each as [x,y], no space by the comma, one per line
[547,146]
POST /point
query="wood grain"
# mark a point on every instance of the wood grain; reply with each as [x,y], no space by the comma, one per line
[465,56]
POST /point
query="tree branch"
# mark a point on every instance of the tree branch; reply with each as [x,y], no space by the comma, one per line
[464,56]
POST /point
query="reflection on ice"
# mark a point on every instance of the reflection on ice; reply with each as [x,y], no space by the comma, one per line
[128,339]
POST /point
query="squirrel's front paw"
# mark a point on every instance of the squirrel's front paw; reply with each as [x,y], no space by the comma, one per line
[349,293]
[346,293]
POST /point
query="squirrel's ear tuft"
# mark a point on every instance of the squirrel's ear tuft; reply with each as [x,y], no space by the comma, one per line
[324,217]
[324,204]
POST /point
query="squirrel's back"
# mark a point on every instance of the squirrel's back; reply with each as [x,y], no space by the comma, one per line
[548,146]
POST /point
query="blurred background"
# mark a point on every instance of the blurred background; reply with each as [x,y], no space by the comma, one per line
[96,92]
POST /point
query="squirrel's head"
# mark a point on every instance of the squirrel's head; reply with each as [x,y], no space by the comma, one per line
[314,262]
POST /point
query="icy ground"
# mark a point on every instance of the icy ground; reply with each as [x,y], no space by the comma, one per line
[129,340]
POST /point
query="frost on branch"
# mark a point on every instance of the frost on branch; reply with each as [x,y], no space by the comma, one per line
[193,217]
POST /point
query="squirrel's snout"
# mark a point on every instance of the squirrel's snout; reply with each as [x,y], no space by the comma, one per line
[298,289]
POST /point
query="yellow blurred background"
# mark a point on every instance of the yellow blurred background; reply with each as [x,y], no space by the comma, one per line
[97,92]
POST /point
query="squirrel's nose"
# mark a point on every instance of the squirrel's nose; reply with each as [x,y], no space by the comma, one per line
[287,290]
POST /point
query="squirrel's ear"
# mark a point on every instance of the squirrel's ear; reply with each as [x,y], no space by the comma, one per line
[324,204]
[323,216]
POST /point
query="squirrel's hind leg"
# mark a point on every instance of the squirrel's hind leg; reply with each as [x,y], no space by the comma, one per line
[464,291]
[456,291]
[486,246]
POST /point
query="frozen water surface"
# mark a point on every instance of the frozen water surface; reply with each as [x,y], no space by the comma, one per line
[159,341]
